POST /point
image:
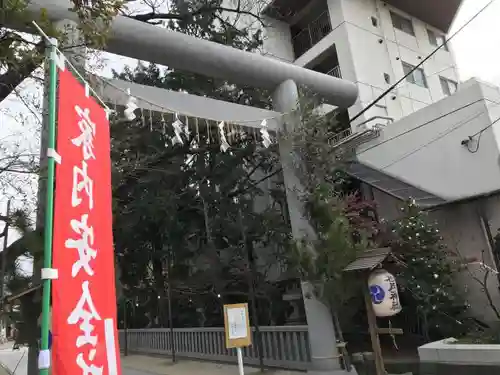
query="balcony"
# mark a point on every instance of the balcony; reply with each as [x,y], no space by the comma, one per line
[335,72]
[327,63]
[306,35]
[286,10]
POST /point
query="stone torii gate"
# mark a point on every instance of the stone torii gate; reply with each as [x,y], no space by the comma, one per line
[142,41]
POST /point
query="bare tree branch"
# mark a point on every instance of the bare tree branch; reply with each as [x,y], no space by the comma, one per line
[15,75]
[147,17]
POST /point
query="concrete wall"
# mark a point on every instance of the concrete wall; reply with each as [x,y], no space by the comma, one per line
[277,40]
[463,233]
[425,150]
[451,353]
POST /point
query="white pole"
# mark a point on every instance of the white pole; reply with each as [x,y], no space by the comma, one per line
[240,361]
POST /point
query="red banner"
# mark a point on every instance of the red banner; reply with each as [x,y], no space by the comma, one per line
[85,339]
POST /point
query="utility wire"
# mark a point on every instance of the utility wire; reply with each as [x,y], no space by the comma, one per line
[445,134]
[421,126]
[480,133]
[434,140]
[422,62]
[486,127]
[429,75]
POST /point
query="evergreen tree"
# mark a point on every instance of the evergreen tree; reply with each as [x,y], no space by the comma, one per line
[179,198]
[425,272]
[170,210]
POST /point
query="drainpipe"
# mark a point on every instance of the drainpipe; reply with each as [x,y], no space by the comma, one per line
[489,236]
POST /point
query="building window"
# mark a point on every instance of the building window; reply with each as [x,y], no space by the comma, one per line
[402,23]
[436,39]
[417,77]
[449,86]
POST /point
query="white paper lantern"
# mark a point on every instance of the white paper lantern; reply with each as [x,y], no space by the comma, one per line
[384,293]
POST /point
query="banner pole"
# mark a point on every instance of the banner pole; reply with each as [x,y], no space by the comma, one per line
[44,359]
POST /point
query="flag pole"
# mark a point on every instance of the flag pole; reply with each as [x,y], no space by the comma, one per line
[44,355]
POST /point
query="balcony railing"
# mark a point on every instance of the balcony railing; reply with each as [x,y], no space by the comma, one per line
[335,72]
[312,34]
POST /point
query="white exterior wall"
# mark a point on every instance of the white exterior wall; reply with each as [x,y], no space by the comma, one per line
[277,40]
[424,149]
[372,59]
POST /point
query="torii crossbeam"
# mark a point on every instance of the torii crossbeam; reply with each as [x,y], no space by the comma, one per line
[146,42]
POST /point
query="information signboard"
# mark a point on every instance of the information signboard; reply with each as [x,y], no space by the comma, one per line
[237,326]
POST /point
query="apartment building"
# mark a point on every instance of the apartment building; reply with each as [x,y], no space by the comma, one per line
[439,140]
[372,43]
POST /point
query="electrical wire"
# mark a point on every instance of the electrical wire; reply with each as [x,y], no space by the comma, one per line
[435,139]
[421,126]
[480,133]
[478,144]
[448,132]
[486,127]
[428,76]
[386,92]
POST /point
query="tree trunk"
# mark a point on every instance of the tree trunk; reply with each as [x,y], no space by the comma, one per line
[30,332]
[160,289]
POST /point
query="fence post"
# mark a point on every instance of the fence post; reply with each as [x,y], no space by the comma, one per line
[125,329]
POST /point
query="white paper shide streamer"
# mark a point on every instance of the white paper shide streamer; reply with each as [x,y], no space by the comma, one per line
[180,127]
[187,132]
[130,107]
[224,146]
[178,130]
[266,138]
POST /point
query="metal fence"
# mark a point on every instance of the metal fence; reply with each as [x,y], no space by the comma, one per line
[284,347]
[311,34]
[335,72]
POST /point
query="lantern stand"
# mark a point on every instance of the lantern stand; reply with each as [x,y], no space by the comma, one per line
[373,329]
[365,264]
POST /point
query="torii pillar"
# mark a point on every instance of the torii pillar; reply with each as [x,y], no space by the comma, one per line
[325,357]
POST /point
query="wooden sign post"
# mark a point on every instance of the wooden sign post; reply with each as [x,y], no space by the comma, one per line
[237,330]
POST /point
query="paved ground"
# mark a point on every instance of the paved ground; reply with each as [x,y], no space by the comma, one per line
[161,366]
[14,360]
[134,365]
[4,372]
